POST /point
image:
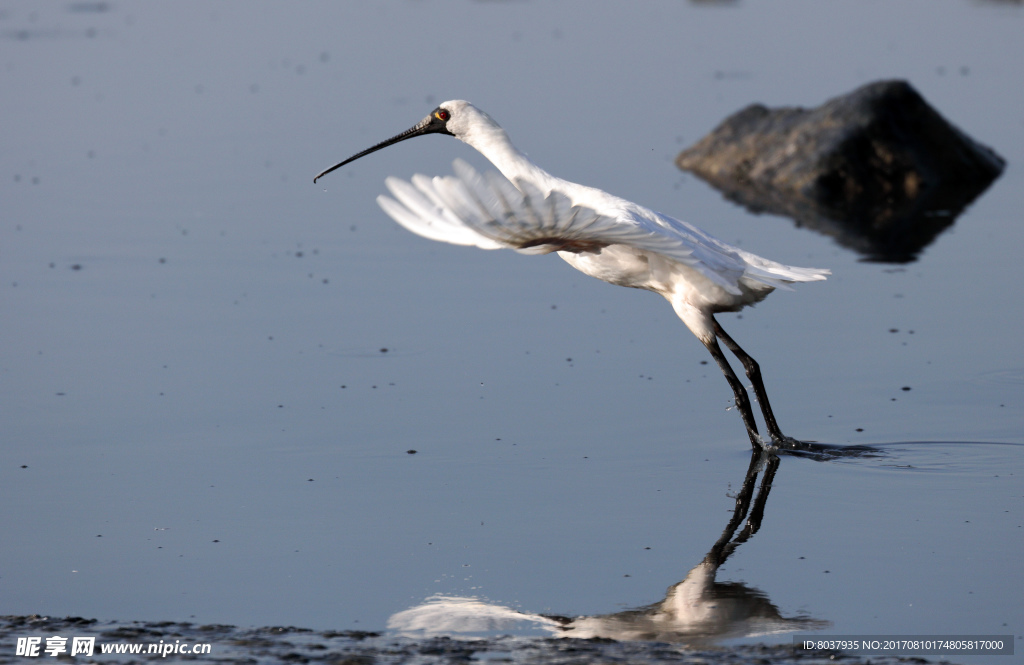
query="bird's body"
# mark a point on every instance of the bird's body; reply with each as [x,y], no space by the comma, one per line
[607,237]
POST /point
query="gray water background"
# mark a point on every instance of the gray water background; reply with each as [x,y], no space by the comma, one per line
[198,422]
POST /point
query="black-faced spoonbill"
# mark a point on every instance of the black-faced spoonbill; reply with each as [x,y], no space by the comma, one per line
[533,212]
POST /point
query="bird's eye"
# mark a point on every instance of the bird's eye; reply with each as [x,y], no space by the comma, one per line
[442,115]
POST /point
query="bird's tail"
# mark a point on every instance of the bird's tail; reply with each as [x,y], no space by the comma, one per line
[778,275]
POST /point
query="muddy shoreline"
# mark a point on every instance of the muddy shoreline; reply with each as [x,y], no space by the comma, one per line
[231,644]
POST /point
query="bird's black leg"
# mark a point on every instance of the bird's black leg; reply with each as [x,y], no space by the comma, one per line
[742,399]
[754,374]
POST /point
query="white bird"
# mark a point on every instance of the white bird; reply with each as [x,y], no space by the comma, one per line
[533,212]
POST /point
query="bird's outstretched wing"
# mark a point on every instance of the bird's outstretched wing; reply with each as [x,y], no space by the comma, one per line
[490,212]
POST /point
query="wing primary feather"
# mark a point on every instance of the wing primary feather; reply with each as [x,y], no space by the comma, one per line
[489,211]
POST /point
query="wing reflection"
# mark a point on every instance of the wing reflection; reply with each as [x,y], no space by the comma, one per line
[698,610]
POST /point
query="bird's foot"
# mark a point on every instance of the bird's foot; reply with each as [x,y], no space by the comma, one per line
[822,451]
[782,442]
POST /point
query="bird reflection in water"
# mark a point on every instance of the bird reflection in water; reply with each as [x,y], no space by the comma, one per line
[697,611]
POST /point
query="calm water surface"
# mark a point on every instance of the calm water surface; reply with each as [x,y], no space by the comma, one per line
[212,370]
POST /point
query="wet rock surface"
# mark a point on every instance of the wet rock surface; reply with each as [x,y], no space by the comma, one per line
[878,168]
[230,644]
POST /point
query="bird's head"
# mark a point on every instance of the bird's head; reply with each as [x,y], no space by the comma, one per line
[456,118]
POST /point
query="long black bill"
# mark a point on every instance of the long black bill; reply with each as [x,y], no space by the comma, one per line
[432,124]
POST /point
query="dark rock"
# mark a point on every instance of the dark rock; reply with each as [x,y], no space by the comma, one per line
[877,168]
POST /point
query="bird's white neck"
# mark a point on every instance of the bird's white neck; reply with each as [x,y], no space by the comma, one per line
[492,142]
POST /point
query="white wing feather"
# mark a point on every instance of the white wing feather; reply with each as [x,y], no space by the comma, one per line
[489,212]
